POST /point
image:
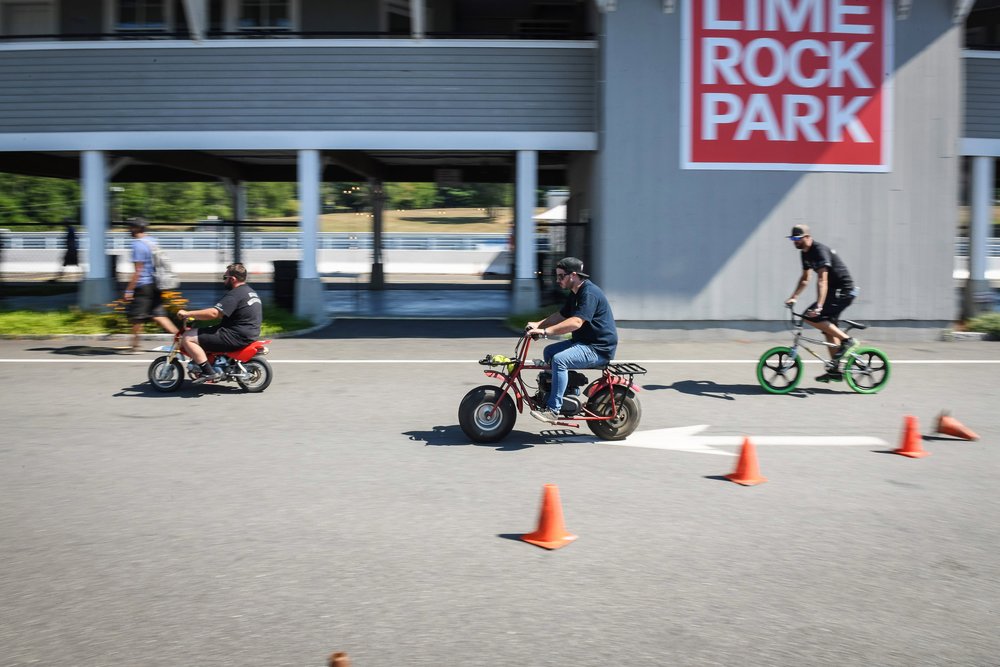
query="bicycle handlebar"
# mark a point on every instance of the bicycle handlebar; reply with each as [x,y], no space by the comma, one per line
[791,310]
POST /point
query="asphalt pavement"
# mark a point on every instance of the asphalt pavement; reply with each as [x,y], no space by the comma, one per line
[343,509]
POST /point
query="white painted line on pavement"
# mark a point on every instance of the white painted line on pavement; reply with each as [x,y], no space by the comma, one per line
[270,361]
[29,360]
[814,361]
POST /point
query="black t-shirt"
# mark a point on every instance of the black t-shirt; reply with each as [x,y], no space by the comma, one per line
[242,312]
[598,330]
[820,255]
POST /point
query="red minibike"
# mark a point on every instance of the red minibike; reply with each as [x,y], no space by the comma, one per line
[247,366]
[608,405]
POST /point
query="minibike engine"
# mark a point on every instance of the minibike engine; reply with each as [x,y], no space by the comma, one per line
[573,401]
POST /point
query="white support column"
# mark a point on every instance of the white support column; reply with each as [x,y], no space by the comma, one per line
[308,287]
[525,292]
[978,292]
[196,13]
[417,16]
[962,9]
[98,286]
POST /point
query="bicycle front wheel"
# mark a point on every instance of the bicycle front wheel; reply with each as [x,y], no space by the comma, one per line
[779,370]
[867,370]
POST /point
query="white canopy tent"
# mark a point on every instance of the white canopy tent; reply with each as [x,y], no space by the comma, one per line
[555,214]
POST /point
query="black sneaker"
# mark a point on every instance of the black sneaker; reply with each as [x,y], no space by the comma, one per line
[831,376]
[207,377]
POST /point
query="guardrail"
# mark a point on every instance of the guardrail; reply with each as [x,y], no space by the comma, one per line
[325,241]
[273,241]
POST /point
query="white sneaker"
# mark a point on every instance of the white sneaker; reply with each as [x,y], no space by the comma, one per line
[547,415]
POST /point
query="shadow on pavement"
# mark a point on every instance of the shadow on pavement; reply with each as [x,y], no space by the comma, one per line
[187,390]
[85,350]
[709,389]
[727,392]
[452,436]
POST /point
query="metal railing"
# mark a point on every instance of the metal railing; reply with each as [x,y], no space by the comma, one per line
[273,241]
[325,241]
[527,31]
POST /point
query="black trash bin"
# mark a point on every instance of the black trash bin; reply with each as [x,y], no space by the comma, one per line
[113,270]
[549,291]
[286,272]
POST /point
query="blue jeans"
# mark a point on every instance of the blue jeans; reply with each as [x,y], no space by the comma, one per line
[563,356]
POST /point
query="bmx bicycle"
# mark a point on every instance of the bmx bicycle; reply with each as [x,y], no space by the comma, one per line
[609,405]
[246,366]
[779,371]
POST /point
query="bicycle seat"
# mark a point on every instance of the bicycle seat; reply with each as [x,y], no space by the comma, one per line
[855,325]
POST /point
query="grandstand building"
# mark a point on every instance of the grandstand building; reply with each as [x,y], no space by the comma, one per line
[691,134]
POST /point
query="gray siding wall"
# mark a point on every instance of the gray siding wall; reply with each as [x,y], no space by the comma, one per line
[982,96]
[673,245]
[309,87]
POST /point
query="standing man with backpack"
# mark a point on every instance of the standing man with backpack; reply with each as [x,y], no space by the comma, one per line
[144,298]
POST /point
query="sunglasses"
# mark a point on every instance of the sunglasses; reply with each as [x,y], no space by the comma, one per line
[795,238]
[560,276]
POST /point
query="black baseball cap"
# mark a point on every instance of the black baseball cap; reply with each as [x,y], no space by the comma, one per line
[798,231]
[140,223]
[572,265]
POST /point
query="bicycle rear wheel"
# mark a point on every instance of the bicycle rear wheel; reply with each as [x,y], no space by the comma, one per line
[779,370]
[867,370]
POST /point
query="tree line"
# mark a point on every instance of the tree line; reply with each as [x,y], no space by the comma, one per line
[28,200]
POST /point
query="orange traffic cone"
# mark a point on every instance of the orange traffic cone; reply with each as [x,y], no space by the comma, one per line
[953,427]
[910,446]
[340,659]
[747,471]
[551,532]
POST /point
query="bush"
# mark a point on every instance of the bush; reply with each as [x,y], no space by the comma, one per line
[276,320]
[988,324]
[76,321]
[518,321]
[116,321]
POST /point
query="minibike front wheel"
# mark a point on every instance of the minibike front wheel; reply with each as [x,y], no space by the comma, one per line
[482,418]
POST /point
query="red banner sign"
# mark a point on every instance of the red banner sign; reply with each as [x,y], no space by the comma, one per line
[786,84]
